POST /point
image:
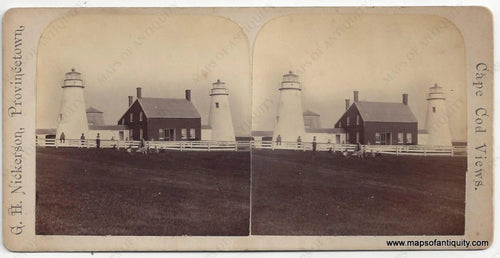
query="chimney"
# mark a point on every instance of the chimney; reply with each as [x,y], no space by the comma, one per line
[405,99]
[188,95]
[139,93]
[356,95]
[130,100]
[347,103]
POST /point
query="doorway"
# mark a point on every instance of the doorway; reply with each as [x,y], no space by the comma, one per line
[386,139]
[170,134]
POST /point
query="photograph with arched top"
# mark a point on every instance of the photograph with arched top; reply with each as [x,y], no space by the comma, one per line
[359,126]
[142,125]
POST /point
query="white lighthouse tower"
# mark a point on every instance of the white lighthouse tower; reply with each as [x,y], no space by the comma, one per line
[290,120]
[72,120]
[219,117]
[437,123]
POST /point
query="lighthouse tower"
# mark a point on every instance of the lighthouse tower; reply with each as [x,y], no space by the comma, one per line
[437,124]
[290,120]
[219,117]
[72,116]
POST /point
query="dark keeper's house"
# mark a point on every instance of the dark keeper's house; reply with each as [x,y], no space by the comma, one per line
[383,123]
[162,119]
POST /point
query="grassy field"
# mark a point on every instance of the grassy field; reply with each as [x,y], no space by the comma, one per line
[106,192]
[306,193]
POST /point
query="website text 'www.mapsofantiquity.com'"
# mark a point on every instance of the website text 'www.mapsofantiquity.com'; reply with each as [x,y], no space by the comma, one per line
[438,243]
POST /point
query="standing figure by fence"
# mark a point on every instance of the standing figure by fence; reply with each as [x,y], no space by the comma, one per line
[82,139]
[62,138]
[98,141]
[278,140]
[314,143]
[299,143]
[359,150]
[143,148]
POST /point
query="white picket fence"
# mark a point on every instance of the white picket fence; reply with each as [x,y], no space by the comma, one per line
[417,150]
[152,145]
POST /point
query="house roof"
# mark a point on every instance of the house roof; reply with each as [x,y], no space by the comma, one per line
[168,108]
[385,112]
[93,110]
[309,113]
[324,130]
[108,127]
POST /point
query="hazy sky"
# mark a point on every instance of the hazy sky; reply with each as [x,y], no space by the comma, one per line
[163,54]
[382,56]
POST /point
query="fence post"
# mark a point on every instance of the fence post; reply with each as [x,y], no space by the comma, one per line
[397,150]
[55,142]
[87,144]
[452,151]
[236,146]
[425,151]
[209,146]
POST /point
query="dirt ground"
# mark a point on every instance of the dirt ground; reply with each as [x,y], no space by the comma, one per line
[305,193]
[106,192]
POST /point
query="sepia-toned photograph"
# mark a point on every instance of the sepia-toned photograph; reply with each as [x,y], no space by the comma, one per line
[362,128]
[136,134]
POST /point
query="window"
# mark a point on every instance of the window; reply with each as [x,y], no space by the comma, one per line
[140,116]
[184,134]
[120,135]
[357,137]
[377,138]
[161,134]
[409,137]
[400,138]
[347,121]
[131,117]
[192,133]
[357,119]
[434,109]
[216,104]
[340,124]
[141,134]
[347,138]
